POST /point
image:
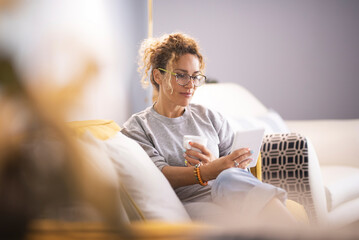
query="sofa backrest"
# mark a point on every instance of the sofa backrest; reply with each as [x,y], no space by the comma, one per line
[229,99]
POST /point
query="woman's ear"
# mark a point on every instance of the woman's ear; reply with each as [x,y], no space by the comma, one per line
[157,76]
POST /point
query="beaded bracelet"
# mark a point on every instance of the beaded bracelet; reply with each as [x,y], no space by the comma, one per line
[197,174]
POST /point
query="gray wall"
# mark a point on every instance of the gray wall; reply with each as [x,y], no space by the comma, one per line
[132,22]
[300,58]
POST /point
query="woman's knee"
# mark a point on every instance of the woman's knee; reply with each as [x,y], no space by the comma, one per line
[230,175]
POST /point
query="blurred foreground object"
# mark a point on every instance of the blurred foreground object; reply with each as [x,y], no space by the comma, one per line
[42,167]
[4,4]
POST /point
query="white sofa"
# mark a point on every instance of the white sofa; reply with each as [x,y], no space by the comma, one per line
[333,165]
[335,143]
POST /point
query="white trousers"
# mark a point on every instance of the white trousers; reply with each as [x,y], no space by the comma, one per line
[239,191]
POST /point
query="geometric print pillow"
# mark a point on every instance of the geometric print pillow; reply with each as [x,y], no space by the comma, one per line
[285,165]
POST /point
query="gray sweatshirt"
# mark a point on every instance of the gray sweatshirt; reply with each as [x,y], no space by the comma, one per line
[161,138]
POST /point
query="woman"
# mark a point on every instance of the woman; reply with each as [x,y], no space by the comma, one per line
[176,70]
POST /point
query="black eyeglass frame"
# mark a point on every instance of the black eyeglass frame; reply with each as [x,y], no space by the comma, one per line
[200,83]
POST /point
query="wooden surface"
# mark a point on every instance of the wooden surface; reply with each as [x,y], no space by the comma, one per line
[54,230]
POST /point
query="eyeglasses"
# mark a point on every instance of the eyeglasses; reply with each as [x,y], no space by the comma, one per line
[183,78]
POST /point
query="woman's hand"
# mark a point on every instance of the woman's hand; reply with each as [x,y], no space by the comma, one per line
[193,157]
[239,158]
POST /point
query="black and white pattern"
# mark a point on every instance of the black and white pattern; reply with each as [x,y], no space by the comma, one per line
[285,165]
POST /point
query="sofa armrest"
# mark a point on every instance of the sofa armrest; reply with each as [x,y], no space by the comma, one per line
[335,141]
[285,164]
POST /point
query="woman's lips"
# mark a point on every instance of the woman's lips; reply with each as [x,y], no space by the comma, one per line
[186,94]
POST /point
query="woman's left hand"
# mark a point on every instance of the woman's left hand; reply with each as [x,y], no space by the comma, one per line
[193,157]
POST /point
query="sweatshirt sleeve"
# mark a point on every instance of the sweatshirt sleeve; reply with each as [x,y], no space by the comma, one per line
[136,129]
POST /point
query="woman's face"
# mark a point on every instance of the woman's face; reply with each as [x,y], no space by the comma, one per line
[181,95]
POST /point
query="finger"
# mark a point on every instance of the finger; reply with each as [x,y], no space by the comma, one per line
[190,161]
[197,155]
[243,157]
[243,153]
[244,164]
[239,152]
[244,160]
[200,147]
[197,145]
[186,163]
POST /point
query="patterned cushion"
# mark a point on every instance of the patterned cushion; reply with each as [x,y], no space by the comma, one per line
[285,164]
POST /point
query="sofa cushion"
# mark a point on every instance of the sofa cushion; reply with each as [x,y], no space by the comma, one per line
[144,182]
[344,214]
[99,182]
[271,121]
[341,184]
[145,188]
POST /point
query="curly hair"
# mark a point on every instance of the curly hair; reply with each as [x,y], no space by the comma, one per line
[163,52]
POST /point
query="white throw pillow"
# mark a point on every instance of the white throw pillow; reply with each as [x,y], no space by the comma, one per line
[144,182]
[271,122]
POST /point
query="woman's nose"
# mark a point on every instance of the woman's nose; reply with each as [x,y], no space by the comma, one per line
[190,84]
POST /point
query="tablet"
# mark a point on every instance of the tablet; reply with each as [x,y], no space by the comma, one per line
[251,139]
